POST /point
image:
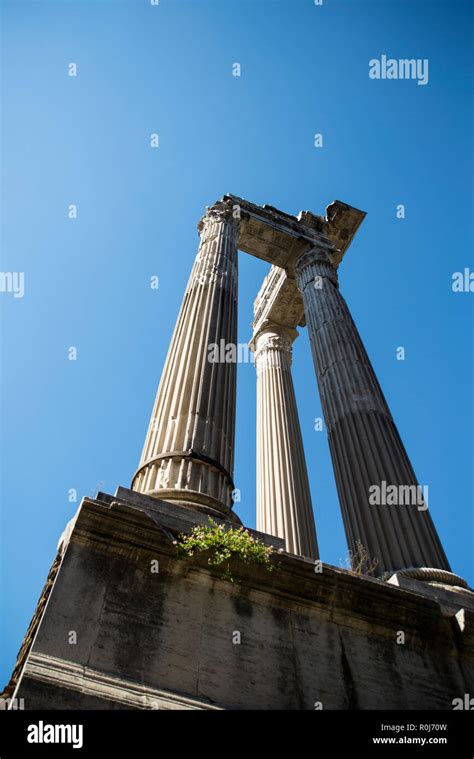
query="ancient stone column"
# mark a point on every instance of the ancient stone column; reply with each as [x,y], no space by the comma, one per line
[283,497]
[188,454]
[365,446]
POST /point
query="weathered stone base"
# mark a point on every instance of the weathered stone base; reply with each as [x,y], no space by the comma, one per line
[166,640]
[77,687]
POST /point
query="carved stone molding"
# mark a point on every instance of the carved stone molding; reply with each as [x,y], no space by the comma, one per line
[220,212]
[273,339]
[316,262]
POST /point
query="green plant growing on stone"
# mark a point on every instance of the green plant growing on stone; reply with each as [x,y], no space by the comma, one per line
[359,561]
[222,544]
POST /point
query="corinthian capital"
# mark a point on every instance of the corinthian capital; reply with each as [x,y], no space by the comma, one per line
[275,339]
[316,263]
[224,211]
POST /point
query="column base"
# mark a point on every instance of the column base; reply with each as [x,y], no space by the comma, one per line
[431,574]
[200,501]
[450,591]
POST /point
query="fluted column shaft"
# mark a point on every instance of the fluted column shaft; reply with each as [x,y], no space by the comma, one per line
[365,445]
[189,448]
[283,496]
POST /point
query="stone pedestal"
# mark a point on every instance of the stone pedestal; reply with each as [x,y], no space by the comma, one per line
[164,639]
[283,496]
[189,449]
[365,446]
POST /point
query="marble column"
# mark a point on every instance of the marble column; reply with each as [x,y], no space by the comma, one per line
[188,454]
[365,445]
[283,497]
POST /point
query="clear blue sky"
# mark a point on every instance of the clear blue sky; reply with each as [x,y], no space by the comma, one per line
[85,140]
